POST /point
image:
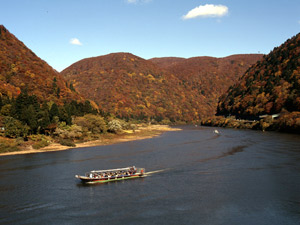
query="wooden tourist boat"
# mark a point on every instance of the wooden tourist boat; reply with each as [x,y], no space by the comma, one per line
[104,176]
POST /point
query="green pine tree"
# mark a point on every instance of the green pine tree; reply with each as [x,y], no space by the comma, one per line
[54,112]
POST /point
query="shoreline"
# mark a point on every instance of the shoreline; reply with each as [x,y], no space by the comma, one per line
[140,134]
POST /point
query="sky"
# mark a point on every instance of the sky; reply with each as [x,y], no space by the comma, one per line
[62,32]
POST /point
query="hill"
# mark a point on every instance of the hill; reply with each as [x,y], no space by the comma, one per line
[270,86]
[20,69]
[210,76]
[161,88]
[166,62]
[129,86]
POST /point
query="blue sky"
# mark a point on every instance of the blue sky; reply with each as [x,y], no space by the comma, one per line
[62,32]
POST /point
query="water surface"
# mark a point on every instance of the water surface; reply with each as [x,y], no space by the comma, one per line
[237,177]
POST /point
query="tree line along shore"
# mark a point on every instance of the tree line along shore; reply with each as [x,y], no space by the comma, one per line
[286,122]
[28,125]
[143,131]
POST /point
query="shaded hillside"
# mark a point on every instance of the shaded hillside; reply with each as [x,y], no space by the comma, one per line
[210,76]
[129,86]
[20,69]
[270,86]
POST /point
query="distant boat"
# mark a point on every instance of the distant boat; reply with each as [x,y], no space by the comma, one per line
[216,132]
[104,176]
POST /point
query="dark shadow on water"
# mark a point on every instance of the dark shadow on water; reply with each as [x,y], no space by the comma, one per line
[235,150]
[231,152]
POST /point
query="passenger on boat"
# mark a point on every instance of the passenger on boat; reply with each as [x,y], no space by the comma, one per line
[132,170]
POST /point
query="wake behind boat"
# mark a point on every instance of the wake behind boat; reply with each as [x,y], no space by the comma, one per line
[104,176]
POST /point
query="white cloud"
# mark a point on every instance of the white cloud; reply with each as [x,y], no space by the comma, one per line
[75,41]
[207,10]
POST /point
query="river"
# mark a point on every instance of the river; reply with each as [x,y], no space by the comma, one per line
[234,177]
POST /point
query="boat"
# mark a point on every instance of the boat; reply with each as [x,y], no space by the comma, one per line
[104,176]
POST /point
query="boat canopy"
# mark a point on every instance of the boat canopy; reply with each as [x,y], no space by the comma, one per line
[113,170]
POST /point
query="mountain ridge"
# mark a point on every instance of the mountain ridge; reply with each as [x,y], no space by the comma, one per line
[123,84]
[269,86]
[268,94]
[20,68]
[119,82]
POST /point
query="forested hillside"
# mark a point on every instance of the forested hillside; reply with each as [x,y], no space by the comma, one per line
[166,62]
[208,75]
[129,86]
[20,69]
[271,86]
[170,88]
[34,98]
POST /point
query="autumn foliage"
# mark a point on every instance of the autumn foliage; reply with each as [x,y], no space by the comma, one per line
[162,88]
[270,86]
[122,84]
[20,69]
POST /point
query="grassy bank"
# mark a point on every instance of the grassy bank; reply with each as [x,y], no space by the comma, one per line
[42,143]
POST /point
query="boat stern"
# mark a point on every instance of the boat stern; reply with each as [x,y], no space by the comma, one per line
[141,171]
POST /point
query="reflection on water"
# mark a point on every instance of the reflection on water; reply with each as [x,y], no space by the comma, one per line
[194,177]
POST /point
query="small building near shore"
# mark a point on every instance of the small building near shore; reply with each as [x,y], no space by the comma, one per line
[2,128]
[274,116]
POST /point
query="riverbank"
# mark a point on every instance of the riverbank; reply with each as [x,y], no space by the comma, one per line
[219,121]
[287,122]
[142,132]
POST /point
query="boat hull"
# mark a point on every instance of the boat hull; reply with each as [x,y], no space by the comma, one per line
[104,176]
[89,180]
